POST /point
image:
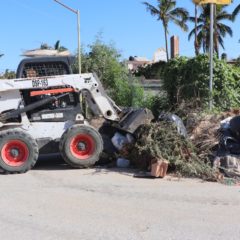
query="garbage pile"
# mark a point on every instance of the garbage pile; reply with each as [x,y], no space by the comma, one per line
[158,145]
[228,155]
[208,148]
[205,136]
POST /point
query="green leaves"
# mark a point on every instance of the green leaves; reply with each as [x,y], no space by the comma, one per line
[202,29]
[104,60]
[151,71]
[236,12]
[188,80]
[8,74]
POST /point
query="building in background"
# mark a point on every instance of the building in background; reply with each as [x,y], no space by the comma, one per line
[160,55]
[174,46]
[135,62]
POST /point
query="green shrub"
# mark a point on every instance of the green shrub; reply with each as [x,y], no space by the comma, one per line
[8,74]
[105,60]
[157,104]
[152,71]
[188,80]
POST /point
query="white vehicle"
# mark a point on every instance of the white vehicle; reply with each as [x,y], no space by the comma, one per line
[41,112]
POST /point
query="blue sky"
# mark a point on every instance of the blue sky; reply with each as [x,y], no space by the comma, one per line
[25,24]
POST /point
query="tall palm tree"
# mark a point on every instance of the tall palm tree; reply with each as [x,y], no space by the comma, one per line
[166,12]
[236,12]
[203,27]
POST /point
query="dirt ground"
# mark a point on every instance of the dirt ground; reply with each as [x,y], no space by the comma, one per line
[53,201]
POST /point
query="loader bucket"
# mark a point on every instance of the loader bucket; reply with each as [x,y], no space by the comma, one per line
[133,118]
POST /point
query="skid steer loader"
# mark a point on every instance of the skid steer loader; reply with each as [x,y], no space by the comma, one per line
[41,112]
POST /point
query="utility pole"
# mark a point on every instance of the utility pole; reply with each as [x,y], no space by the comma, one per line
[77,12]
[212,6]
[211,55]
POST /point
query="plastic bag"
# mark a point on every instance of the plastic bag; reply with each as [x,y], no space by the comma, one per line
[119,141]
[123,163]
[175,119]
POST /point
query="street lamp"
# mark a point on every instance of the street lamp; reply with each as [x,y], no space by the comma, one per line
[78,29]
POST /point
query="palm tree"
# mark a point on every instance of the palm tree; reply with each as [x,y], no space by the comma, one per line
[166,12]
[236,12]
[203,27]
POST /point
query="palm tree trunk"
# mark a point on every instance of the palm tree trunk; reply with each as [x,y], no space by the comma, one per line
[166,40]
[196,40]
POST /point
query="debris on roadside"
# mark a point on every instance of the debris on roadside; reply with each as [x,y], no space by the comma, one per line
[119,141]
[161,140]
[230,165]
[208,148]
[159,168]
[228,155]
[230,181]
[122,163]
[205,136]
[216,138]
[176,120]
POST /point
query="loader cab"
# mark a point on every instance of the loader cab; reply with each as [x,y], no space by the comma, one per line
[44,66]
[34,67]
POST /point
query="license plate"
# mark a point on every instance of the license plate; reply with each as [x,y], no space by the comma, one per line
[40,83]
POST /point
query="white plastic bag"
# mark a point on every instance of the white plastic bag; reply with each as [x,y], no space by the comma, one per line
[119,141]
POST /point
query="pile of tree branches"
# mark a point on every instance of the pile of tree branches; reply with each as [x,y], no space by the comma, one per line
[161,140]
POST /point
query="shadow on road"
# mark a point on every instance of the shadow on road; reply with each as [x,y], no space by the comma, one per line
[51,163]
[55,162]
[106,170]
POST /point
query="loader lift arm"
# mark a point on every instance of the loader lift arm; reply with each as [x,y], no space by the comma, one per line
[88,84]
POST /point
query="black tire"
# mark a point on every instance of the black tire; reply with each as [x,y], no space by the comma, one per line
[18,151]
[81,146]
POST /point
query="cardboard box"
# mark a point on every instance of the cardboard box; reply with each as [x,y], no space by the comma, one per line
[159,168]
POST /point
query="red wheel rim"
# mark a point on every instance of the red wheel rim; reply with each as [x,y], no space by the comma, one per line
[82,146]
[15,153]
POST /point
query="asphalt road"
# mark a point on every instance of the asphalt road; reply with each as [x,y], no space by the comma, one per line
[53,201]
